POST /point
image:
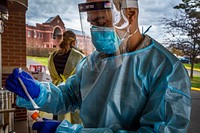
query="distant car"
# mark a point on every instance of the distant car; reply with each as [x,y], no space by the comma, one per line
[184,59]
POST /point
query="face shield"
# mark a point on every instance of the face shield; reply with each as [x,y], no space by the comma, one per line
[107,23]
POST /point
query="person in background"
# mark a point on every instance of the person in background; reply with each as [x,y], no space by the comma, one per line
[130,83]
[63,61]
[62,64]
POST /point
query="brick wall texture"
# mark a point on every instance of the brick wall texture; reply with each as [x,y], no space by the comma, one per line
[14,39]
[14,47]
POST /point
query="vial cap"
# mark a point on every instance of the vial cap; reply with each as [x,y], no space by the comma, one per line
[35,115]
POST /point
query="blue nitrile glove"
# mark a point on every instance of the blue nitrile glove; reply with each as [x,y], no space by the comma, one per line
[13,84]
[46,126]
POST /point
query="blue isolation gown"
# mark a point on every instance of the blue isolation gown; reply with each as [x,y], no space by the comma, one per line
[144,91]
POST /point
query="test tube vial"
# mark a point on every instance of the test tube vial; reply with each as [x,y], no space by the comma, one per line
[35,116]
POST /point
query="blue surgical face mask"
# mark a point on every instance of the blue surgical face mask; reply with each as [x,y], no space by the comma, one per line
[105,39]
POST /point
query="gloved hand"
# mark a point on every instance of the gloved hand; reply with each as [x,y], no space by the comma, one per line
[46,126]
[13,84]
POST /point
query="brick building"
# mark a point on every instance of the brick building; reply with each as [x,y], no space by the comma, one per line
[14,37]
[49,34]
[13,42]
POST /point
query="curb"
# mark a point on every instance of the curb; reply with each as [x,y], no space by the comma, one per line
[195,89]
[196,69]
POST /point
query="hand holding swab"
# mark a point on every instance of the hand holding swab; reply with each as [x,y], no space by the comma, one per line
[25,90]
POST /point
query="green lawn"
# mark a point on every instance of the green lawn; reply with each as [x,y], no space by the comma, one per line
[197,66]
[42,60]
[195,81]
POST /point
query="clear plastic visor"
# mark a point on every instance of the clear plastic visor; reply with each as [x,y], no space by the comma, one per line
[106,18]
[97,13]
[101,14]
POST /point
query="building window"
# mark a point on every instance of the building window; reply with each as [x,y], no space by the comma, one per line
[54,36]
[29,34]
[41,35]
[35,34]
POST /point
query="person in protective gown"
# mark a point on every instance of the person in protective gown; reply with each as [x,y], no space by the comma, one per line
[62,62]
[61,65]
[130,83]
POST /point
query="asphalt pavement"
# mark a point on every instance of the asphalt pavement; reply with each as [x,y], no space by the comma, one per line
[195,117]
[195,73]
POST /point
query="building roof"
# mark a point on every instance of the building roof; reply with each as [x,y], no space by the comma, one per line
[77,32]
[49,20]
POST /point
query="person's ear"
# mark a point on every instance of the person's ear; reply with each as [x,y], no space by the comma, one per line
[73,43]
[132,13]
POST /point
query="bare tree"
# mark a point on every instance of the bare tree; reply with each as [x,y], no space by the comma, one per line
[185,29]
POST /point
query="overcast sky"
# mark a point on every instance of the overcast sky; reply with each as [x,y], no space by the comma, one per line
[150,13]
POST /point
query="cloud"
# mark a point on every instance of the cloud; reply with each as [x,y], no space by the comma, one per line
[40,10]
[151,11]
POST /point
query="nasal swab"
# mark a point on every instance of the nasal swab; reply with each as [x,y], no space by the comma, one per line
[25,90]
